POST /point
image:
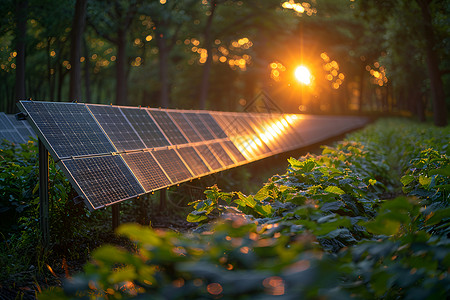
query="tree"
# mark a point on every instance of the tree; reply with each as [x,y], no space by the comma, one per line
[111,21]
[78,24]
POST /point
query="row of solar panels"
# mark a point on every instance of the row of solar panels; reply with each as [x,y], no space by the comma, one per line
[113,153]
[13,130]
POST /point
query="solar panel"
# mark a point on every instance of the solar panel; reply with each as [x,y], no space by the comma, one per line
[22,127]
[68,128]
[103,180]
[199,126]
[158,148]
[168,126]
[221,154]
[212,125]
[172,165]
[233,151]
[194,161]
[146,170]
[116,126]
[208,157]
[186,127]
[147,129]
[9,131]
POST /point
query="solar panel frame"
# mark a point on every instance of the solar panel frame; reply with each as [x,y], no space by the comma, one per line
[69,124]
[170,129]
[146,127]
[117,127]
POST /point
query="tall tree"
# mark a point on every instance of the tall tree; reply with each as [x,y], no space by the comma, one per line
[112,20]
[79,21]
[21,24]
[437,88]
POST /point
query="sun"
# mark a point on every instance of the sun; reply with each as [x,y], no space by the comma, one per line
[303,75]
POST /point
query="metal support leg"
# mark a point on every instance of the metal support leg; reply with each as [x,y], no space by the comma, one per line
[115,216]
[43,195]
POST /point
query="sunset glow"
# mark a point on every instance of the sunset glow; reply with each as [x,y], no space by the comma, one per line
[303,75]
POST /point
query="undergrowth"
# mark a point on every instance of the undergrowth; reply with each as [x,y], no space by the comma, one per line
[366,219]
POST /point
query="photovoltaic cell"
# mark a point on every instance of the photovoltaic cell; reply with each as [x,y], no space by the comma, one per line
[146,170]
[172,165]
[212,125]
[116,126]
[103,180]
[199,126]
[186,127]
[22,127]
[69,128]
[208,157]
[145,127]
[193,160]
[168,126]
[238,157]
[221,154]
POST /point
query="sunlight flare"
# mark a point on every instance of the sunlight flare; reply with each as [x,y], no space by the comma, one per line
[303,75]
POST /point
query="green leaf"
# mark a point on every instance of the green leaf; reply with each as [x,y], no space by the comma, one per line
[407,179]
[445,171]
[438,216]
[383,226]
[264,210]
[334,190]
[424,181]
[196,216]
[248,200]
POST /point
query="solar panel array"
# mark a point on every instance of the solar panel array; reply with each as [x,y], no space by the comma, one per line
[13,130]
[112,153]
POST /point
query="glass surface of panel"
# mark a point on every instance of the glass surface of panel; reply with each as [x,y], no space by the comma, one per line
[146,170]
[221,154]
[209,157]
[193,160]
[186,127]
[199,126]
[145,127]
[238,157]
[103,180]
[212,125]
[172,165]
[116,126]
[69,128]
[168,126]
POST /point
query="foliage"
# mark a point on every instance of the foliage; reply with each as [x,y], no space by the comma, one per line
[19,209]
[336,225]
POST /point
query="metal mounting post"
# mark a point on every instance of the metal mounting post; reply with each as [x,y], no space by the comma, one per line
[43,195]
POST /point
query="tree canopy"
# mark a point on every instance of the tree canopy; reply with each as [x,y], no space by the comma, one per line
[363,56]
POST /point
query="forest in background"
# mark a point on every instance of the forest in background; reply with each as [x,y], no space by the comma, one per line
[364,56]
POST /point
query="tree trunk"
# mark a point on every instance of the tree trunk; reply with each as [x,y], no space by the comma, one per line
[87,74]
[121,74]
[207,66]
[79,21]
[21,28]
[437,87]
[361,87]
[163,69]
